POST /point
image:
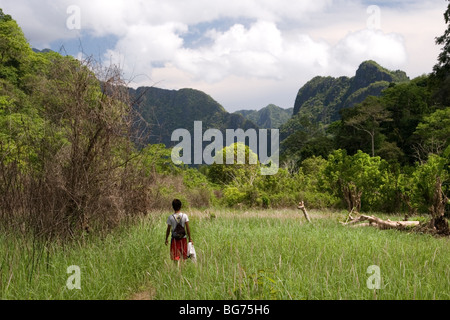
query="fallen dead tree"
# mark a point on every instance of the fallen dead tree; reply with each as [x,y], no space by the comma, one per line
[438,225]
[379,223]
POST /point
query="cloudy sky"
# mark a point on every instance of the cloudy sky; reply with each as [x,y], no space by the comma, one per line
[246,54]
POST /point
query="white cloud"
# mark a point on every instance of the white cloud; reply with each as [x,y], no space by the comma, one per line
[252,52]
[264,51]
[42,21]
[387,49]
[251,64]
[45,20]
[260,58]
[143,45]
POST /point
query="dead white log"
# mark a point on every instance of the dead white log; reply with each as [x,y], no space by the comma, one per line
[301,206]
[382,224]
[365,224]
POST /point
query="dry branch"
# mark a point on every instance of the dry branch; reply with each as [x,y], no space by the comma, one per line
[301,206]
[350,217]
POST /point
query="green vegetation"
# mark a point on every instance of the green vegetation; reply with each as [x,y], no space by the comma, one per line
[325,105]
[403,124]
[241,255]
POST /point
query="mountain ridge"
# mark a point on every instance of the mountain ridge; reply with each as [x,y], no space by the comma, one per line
[269,117]
[164,111]
[322,98]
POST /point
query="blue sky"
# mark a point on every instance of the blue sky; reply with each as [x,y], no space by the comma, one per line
[246,54]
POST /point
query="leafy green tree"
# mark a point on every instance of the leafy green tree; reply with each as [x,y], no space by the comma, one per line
[156,158]
[15,52]
[442,67]
[390,152]
[408,103]
[441,70]
[434,131]
[238,176]
[355,179]
[424,181]
[236,172]
[21,122]
[302,139]
[369,115]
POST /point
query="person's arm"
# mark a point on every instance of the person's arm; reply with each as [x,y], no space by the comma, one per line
[189,232]
[167,233]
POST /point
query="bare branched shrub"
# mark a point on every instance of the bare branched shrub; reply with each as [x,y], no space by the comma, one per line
[82,178]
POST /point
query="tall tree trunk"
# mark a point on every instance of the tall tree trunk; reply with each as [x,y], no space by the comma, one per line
[352,196]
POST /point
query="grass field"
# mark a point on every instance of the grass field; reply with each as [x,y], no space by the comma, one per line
[241,255]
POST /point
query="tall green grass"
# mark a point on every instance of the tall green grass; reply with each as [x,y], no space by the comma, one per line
[264,258]
[111,268]
[240,256]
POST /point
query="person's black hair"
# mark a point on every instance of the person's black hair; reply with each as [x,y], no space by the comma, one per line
[176,205]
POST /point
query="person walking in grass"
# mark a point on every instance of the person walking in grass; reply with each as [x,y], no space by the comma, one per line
[179,224]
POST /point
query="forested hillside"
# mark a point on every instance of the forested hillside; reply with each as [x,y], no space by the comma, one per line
[269,117]
[322,98]
[167,110]
[377,111]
